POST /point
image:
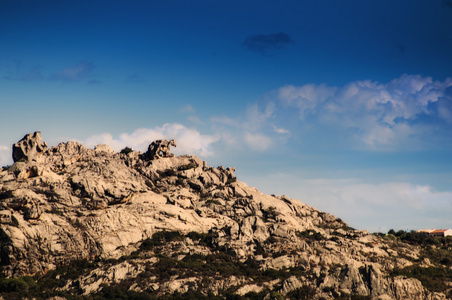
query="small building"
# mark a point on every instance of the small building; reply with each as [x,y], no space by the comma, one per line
[441,232]
[437,232]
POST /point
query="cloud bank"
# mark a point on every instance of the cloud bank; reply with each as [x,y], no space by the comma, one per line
[408,113]
[404,112]
[402,204]
[253,129]
[380,206]
[189,141]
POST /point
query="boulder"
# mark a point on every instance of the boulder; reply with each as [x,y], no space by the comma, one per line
[291,284]
[159,149]
[102,148]
[29,147]
[5,216]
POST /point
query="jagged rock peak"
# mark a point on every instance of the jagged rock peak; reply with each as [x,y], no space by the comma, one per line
[29,147]
[72,191]
[159,149]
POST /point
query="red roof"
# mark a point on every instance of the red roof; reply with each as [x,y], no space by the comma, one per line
[439,231]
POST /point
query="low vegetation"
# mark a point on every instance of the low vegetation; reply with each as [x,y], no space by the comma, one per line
[126,150]
[220,263]
[435,251]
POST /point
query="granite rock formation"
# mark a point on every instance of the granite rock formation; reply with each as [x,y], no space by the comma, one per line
[156,225]
[28,147]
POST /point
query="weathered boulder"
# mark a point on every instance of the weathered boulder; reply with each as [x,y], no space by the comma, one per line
[159,149]
[5,216]
[291,284]
[102,148]
[32,211]
[29,147]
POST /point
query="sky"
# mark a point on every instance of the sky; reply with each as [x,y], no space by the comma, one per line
[344,105]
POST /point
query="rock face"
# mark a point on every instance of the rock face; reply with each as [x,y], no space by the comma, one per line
[28,147]
[159,224]
[159,149]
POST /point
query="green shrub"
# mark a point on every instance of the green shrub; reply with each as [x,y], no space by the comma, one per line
[306,292]
[270,213]
[194,235]
[204,239]
[120,291]
[311,235]
[126,150]
[10,285]
[432,278]
[160,238]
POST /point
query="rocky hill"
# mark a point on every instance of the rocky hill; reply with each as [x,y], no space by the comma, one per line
[78,223]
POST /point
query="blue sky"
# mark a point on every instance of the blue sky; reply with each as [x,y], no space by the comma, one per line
[345,105]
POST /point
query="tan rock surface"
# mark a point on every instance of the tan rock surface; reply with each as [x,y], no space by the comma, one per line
[69,203]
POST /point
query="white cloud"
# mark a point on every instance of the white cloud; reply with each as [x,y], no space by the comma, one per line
[377,136]
[189,141]
[306,97]
[187,109]
[255,118]
[225,121]
[379,116]
[251,130]
[372,206]
[280,130]
[257,141]
[5,155]
[194,119]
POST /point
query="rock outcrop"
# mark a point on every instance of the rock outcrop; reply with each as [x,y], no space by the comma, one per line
[159,149]
[157,224]
[28,147]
